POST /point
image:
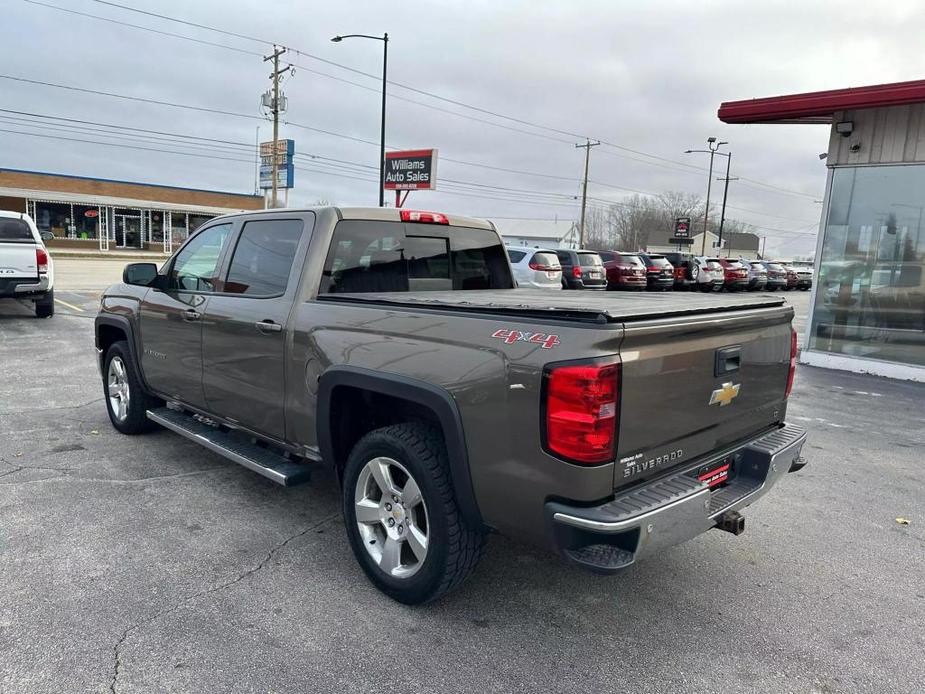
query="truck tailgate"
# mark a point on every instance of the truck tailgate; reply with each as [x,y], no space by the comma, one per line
[692,385]
[17,260]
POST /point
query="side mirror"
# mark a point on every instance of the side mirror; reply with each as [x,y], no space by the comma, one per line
[140,274]
[46,235]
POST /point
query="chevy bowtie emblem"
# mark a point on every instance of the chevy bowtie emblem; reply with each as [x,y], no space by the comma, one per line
[723,395]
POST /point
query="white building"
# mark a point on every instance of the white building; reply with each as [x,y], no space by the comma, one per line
[538,233]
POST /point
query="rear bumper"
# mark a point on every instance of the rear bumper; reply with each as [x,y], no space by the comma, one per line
[661,282]
[581,284]
[23,287]
[673,509]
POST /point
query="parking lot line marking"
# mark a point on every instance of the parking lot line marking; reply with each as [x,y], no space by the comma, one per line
[71,306]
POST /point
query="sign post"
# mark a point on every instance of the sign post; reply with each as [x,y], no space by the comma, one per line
[682,231]
[414,169]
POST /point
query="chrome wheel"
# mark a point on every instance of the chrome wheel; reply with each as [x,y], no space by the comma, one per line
[118,389]
[391,517]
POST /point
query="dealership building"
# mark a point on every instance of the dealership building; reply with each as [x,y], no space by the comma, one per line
[103,214]
[868,307]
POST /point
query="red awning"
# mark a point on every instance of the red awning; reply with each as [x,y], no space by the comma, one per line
[818,107]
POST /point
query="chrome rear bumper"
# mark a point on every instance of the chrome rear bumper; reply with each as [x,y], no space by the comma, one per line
[673,509]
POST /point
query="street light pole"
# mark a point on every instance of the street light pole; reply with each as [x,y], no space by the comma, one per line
[712,145]
[385,63]
[706,211]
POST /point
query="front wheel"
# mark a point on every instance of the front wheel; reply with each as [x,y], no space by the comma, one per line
[402,519]
[126,400]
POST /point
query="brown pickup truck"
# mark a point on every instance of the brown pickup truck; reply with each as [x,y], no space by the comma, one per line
[394,347]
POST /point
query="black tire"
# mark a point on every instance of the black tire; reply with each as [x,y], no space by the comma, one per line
[454,548]
[45,307]
[139,401]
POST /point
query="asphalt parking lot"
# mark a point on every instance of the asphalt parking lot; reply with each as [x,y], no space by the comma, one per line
[140,564]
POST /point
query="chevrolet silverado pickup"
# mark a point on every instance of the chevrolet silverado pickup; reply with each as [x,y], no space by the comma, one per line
[26,269]
[394,347]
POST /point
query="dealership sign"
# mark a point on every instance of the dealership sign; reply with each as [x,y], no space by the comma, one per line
[285,170]
[414,169]
[682,227]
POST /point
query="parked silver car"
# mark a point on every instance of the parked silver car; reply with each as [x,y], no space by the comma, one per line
[535,267]
[707,273]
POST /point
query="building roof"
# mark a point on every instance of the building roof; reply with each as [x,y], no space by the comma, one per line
[534,228]
[819,107]
[741,241]
[67,188]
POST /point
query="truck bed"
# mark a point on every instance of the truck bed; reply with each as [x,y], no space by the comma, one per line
[595,307]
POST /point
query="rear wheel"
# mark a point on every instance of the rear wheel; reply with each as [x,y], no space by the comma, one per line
[45,307]
[126,400]
[402,519]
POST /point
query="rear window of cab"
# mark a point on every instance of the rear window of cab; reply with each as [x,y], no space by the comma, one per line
[15,231]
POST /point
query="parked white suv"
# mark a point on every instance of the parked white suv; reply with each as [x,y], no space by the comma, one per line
[707,273]
[26,269]
[535,267]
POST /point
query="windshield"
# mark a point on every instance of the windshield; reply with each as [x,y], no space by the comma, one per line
[589,260]
[658,261]
[714,265]
[15,230]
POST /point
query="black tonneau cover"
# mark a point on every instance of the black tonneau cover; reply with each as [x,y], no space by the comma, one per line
[602,307]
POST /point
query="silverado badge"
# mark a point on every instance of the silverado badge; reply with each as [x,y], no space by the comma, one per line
[723,395]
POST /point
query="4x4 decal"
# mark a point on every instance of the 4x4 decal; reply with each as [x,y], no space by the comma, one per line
[511,336]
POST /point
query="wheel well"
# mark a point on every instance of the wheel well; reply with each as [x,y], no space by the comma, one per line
[107,335]
[356,411]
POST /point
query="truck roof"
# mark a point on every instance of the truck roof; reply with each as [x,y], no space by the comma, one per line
[386,214]
[603,307]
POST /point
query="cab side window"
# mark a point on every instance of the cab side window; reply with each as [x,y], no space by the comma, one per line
[193,269]
[263,257]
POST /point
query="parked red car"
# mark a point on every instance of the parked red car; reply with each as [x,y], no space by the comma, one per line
[624,270]
[735,273]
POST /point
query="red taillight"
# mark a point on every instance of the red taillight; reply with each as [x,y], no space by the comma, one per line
[581,412]
[576,272]
[424,217]
[679,273]
[652,268]
[41,260]
[793,361]
[541,266]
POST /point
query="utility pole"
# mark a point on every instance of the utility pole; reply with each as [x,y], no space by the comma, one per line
[277,52]
[722,215]
[763,239]
[584,191]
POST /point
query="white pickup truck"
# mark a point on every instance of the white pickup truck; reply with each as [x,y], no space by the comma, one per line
[26,269]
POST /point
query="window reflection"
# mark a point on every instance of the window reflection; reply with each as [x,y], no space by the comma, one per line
[870,301]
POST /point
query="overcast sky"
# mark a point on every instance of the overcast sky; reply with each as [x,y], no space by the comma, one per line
[648,76]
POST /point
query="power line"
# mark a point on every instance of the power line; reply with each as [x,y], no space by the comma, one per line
[688,167]
[143,28]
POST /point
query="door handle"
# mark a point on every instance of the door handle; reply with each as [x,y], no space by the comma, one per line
[191,315]
[268,326]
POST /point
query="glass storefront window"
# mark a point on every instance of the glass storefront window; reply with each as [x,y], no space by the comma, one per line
[157,227]
[54,217]
[870,299]
[178,228]
[197,220]
[86,221]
